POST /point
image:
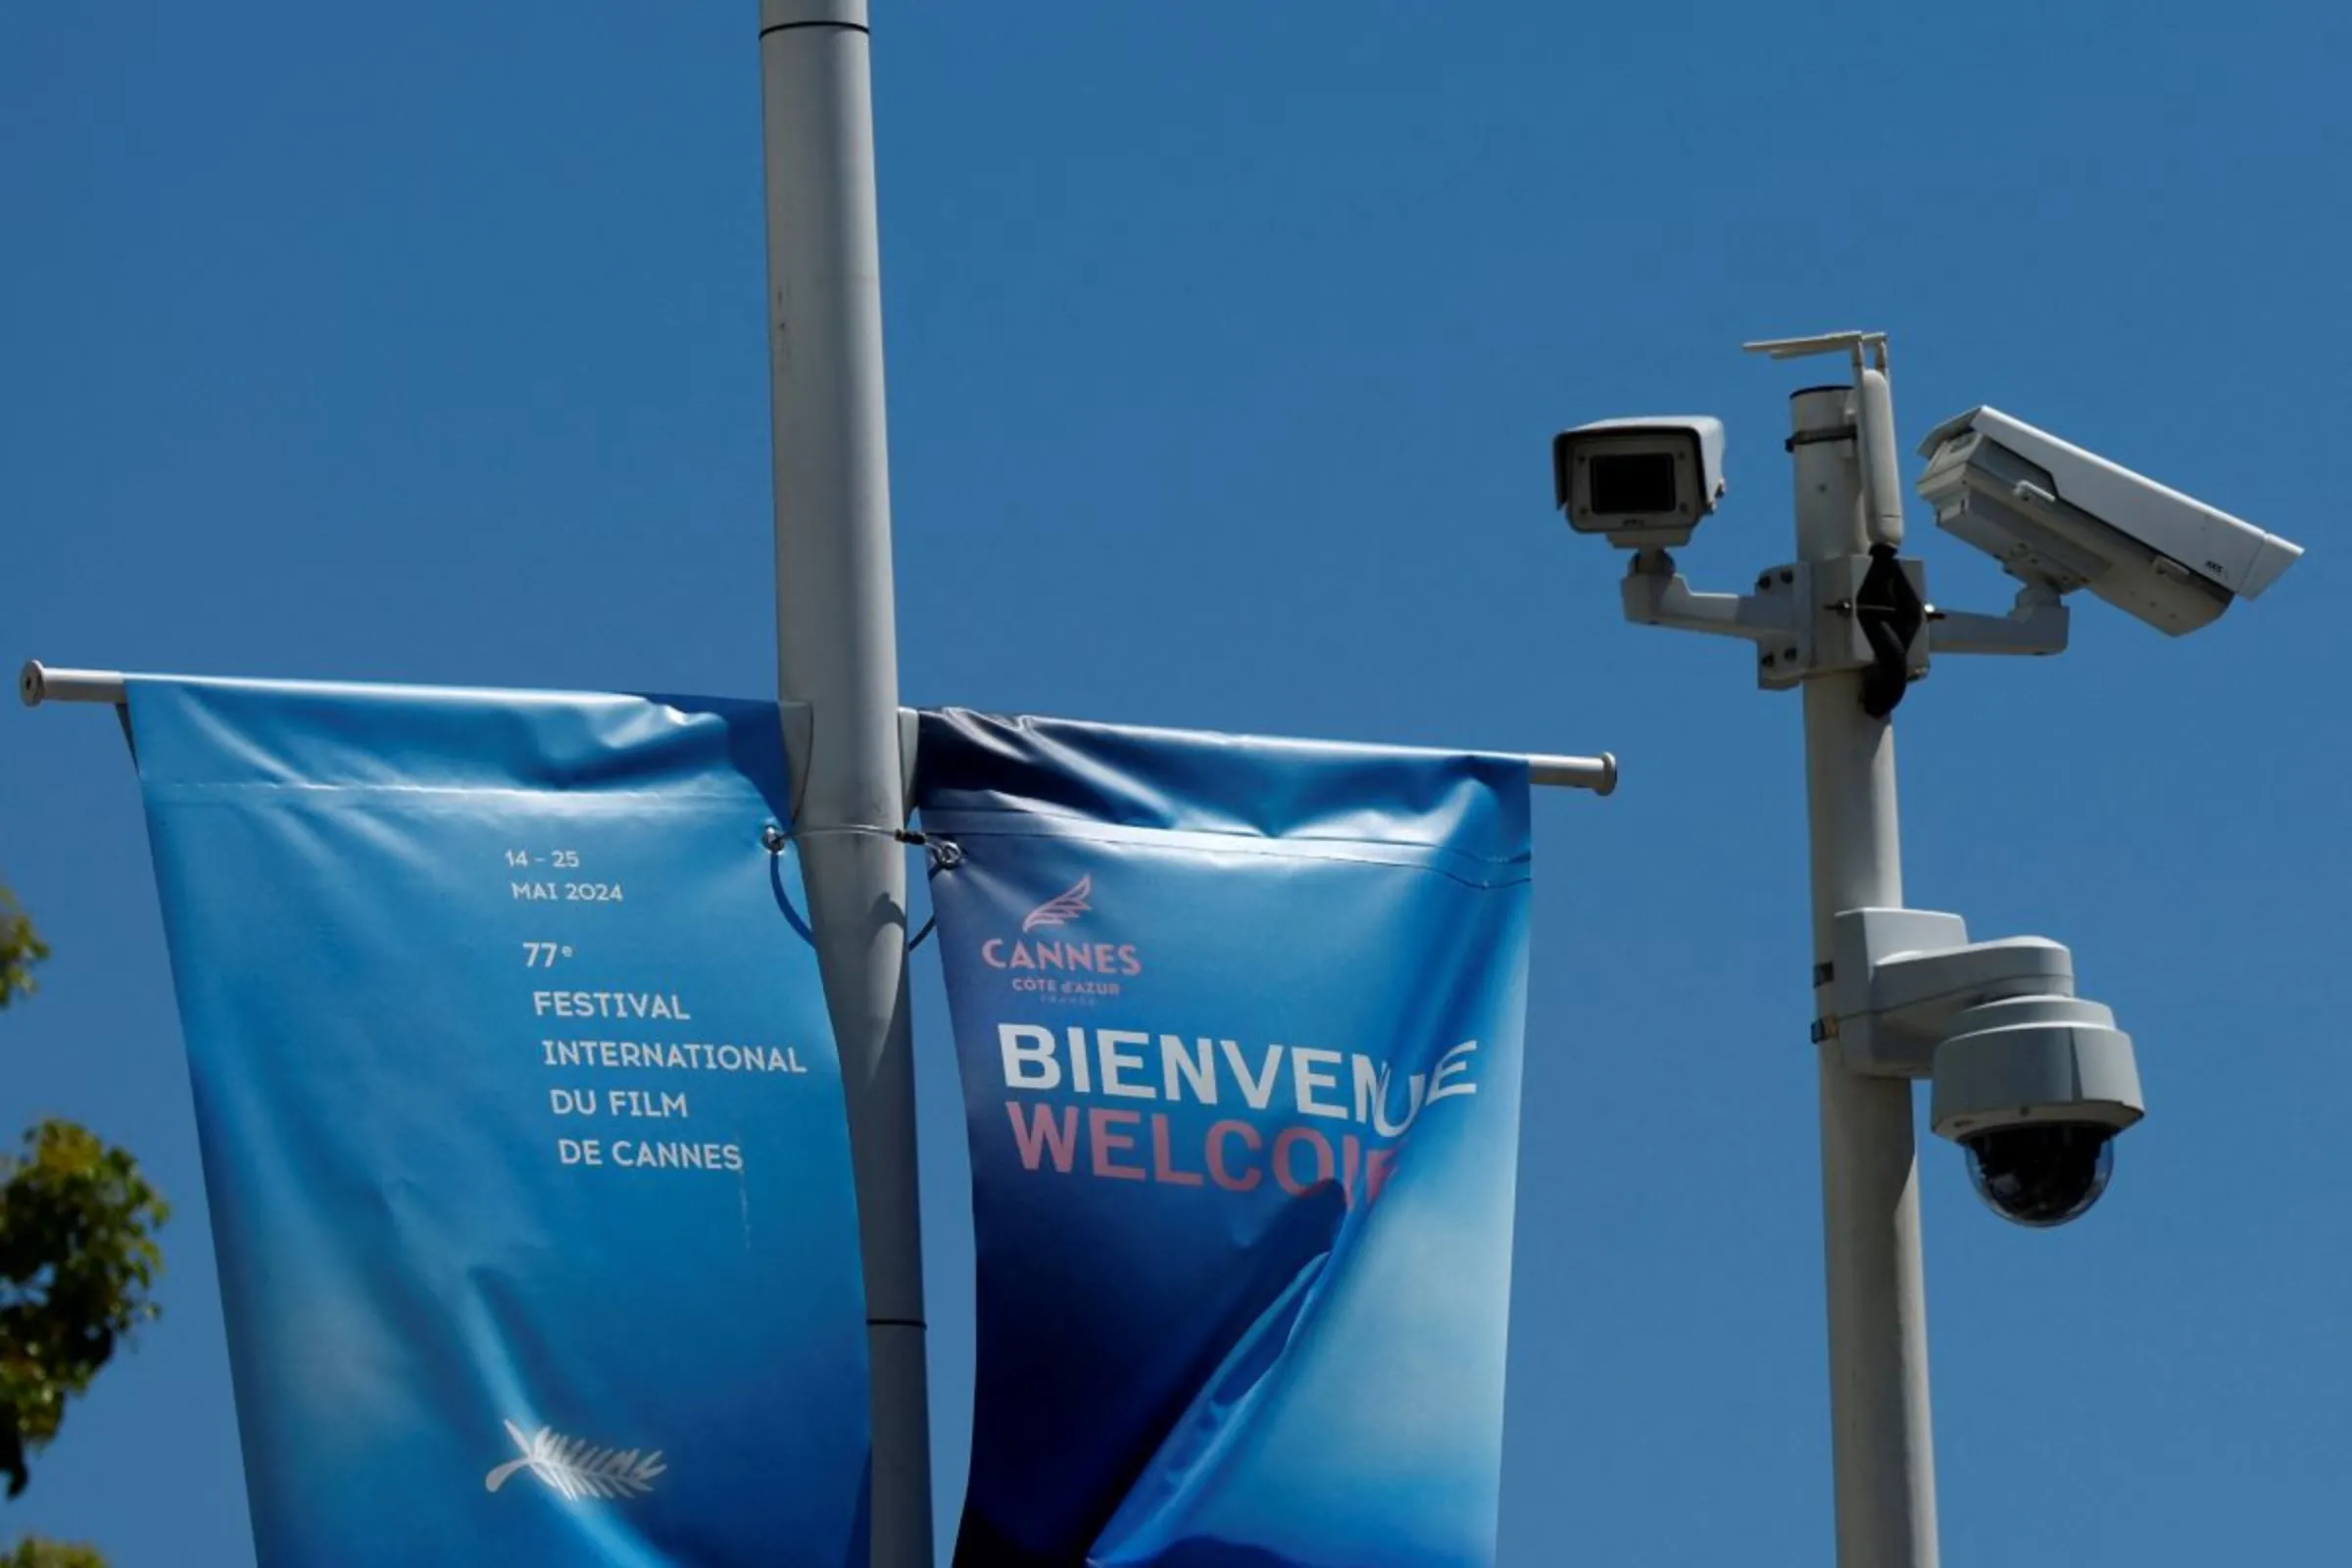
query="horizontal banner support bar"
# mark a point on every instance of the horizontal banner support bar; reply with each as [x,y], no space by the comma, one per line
[37,683]
[1595,773]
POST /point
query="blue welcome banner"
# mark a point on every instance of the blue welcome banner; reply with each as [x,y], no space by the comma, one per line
[522,1125]
[1239,1025]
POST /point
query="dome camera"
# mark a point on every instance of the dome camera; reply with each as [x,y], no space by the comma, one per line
[2041,1174]
[2034,1089]
[2031,1080]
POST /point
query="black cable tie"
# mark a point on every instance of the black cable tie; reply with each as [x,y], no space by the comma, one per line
[1810,438]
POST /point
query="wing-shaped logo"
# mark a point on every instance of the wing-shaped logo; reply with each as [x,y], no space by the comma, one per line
[574,1469]
[1062,907]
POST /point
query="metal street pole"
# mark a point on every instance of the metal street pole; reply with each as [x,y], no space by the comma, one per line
[836,652]
[1883,1451]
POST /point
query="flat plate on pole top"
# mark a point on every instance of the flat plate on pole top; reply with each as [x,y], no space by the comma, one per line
[1797,348]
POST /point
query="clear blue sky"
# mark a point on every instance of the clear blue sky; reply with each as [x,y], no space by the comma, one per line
[424,343]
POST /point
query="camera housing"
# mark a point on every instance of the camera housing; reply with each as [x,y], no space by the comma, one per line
[2033,1081]
[1644,483]
[2055,515]
[2035,1090]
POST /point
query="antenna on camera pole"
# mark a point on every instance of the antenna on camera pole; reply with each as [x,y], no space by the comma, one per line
[1874,422]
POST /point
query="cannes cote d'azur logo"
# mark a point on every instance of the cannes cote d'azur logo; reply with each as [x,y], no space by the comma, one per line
[1062,907]
[1055,956]
[575,1470]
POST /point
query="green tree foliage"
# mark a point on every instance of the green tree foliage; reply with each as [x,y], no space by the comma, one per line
[52,1554]
[20,948]
[77,1259]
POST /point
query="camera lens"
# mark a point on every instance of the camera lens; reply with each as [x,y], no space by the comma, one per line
[1631,482]
[2046,1173]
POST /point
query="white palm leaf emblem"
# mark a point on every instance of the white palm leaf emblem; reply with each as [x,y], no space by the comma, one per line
[575,1469]
[1062,907]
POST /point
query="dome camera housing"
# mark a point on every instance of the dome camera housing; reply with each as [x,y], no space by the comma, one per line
[2035,1090]
[2033,1081]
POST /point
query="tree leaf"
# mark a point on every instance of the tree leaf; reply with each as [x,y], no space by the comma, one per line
[77,1260]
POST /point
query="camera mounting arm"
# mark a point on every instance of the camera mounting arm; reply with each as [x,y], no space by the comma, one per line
[2035,624]
[1997,1025]
[1655,595]
[1805,617]
[1901,977]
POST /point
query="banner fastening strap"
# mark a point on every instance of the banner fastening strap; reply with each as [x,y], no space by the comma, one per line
[945,854]
[774,837]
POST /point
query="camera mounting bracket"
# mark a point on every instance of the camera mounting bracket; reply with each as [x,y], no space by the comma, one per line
[1900,978]
[1806,618]
[2035,624]
[1995,1025]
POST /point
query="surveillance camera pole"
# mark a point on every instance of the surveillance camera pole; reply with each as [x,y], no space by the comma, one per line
[1899,994]
[1847,623]
[1882,1450]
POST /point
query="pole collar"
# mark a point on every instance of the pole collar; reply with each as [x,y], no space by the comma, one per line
[777,15]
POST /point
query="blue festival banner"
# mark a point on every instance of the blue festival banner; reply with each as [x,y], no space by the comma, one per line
[522,1125]
[1239,1025]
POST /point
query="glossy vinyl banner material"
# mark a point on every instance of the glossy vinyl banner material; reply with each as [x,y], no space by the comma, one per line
[522,1125]
[1239,1026]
